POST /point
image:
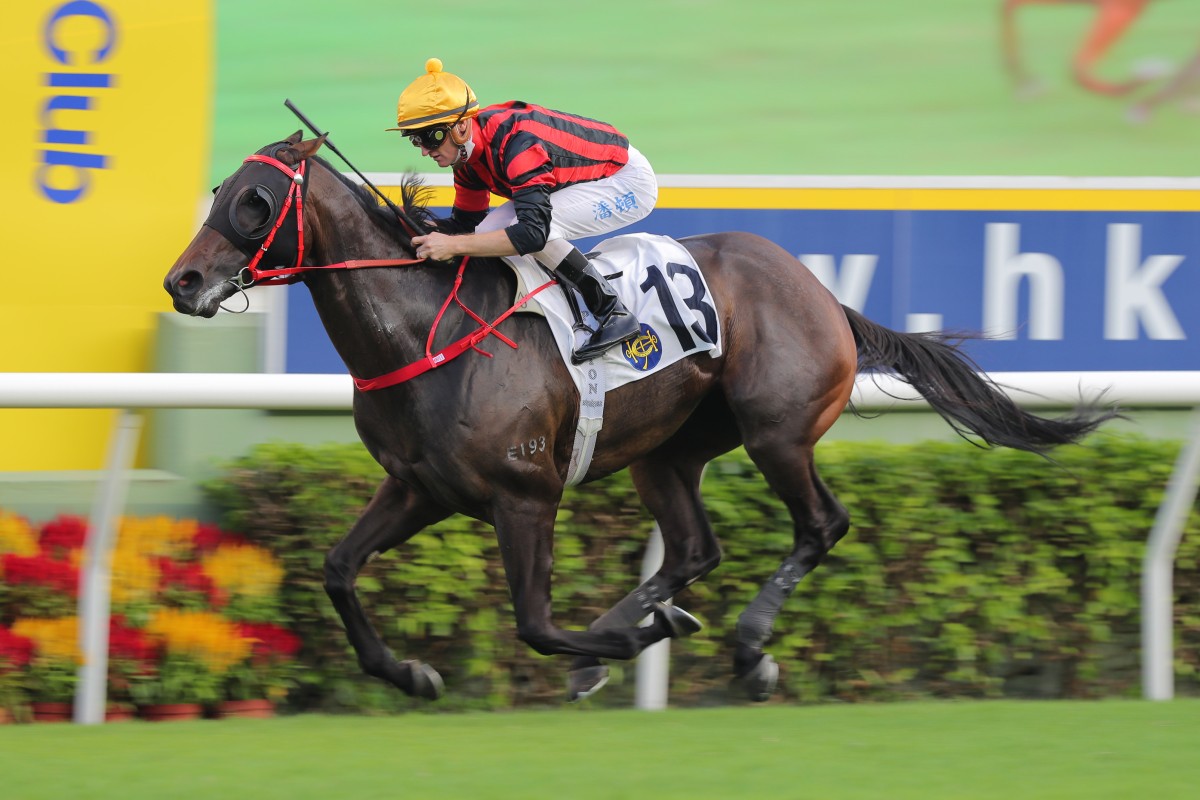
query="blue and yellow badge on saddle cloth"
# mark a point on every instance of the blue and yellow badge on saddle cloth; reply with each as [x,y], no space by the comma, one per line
[643,353]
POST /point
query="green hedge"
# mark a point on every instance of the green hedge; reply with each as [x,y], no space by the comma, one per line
[966,573]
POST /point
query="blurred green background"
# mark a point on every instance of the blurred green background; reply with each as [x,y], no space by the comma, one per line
[794,87]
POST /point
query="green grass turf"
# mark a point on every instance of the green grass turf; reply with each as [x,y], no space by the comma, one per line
[910,87]
[1003,750]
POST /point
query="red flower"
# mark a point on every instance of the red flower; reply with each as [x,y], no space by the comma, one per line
[41,570]
[174,576]
[128,643]
[210,537]
[61,535]
[15,651]
[271,642]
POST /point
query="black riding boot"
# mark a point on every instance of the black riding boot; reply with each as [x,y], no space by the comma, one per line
[615,323]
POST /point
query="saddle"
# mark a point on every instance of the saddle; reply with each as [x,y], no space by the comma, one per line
[659,281]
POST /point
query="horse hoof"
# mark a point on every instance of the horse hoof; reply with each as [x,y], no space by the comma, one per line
[426,683]
[681,623]
[760,681]
[585,682]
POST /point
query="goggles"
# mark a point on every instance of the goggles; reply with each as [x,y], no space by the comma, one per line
[429,138]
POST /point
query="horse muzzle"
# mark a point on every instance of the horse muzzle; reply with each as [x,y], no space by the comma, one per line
[194,295]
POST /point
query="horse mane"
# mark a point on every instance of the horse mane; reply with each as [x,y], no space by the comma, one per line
[414,199]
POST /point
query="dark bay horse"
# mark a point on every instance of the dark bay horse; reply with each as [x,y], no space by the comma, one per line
[446,438]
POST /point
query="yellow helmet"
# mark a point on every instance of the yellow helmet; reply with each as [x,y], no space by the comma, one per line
[435,97]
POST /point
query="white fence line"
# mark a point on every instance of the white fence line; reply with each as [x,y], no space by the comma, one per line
[335,392]
[175,390]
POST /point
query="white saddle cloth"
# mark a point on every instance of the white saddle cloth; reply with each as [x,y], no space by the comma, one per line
[660,282]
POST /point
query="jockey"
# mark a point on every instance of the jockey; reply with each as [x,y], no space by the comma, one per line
[1113,19]
[564,176]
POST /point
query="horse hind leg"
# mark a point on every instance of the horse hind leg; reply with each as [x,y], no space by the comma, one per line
[394,515]
[670,489]
[819,521]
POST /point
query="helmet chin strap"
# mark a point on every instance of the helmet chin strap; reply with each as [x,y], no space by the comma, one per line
[464,152]
[464,148]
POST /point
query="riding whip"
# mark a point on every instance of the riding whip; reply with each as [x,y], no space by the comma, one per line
[397,210]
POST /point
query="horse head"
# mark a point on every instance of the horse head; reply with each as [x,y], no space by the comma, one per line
[256,215]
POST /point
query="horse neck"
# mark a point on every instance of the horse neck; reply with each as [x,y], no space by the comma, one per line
[379,319]
[375,317]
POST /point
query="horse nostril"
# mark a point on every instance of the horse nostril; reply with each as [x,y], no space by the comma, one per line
[189,283]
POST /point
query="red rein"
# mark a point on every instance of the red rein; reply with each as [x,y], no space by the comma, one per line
[266,277]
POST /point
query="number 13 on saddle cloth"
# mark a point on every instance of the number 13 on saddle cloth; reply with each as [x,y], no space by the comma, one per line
[660,283]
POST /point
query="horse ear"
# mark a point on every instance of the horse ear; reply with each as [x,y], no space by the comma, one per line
[296,150]
[295,137]
[306,149]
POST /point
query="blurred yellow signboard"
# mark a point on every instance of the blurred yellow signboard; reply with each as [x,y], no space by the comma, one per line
[107,123]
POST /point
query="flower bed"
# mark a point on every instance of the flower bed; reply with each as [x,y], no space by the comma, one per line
[194,615]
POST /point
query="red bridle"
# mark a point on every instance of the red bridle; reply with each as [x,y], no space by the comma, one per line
[251,275]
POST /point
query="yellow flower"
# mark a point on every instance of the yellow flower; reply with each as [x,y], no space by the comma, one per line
[206,638]
[244,570]
[134,577]
[157,536]
[54,639]
[16,535]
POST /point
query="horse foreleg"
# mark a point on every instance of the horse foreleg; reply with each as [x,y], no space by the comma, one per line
[588,675]
[670,490]
[394,515]
[525,532]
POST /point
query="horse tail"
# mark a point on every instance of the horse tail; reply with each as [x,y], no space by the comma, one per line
[961,393]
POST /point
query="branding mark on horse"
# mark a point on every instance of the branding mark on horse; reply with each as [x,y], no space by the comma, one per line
[527,449]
